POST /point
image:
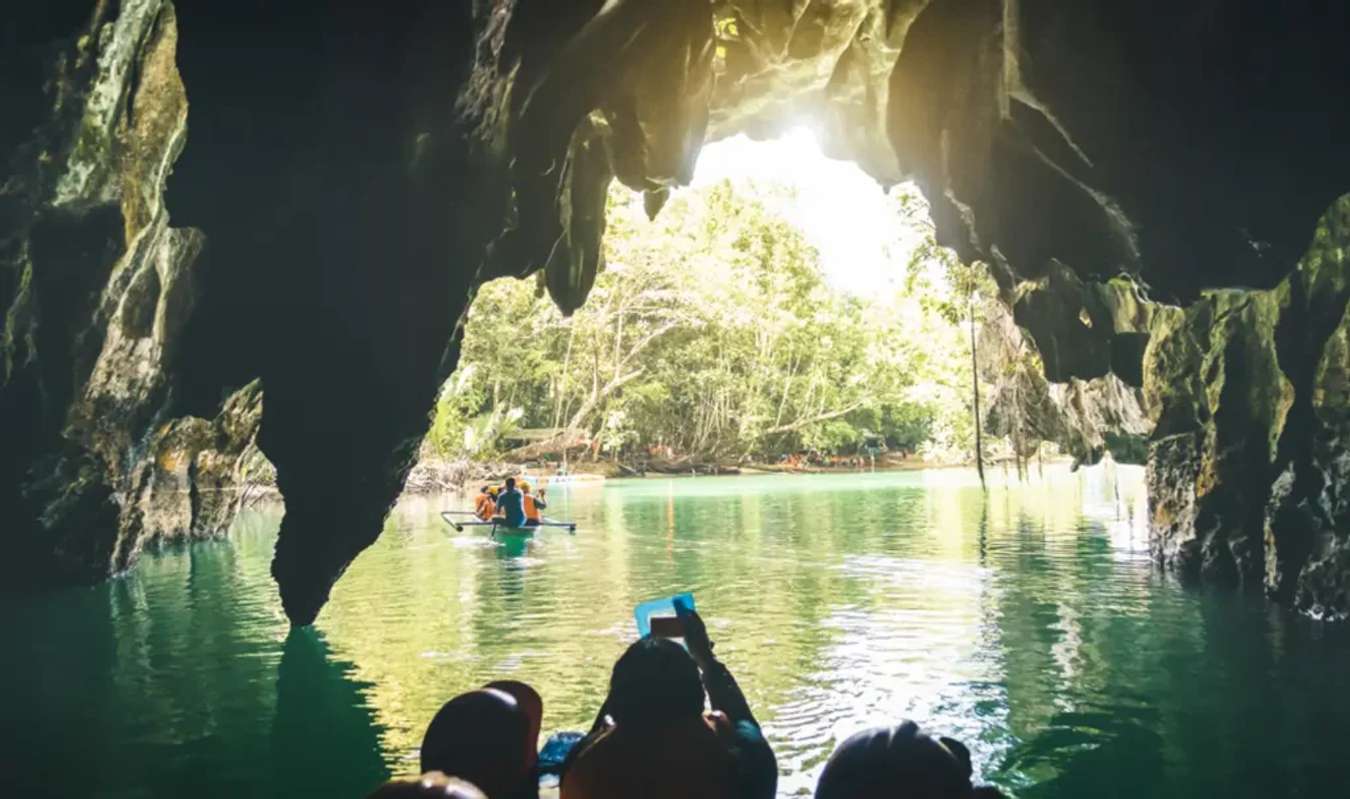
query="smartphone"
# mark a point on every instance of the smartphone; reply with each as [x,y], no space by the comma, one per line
[667,626]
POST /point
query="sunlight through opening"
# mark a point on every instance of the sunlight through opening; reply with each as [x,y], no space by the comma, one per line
[844,213]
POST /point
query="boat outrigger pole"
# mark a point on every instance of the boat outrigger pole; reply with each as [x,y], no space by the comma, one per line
[495,524]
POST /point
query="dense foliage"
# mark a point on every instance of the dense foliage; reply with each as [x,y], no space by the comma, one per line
[713,334]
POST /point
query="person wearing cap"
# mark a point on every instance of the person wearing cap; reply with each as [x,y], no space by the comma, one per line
[487,738]
[485,505]
[432,785]
[900,762]
[533,504]
[532,705]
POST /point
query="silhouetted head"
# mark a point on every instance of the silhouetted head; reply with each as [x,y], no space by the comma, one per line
[899,763]
[485,489]
[479,736]
[510,483]
[654,682]
[432,785]
[530,703]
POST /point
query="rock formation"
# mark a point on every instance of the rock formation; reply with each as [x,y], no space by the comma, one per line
[97,289]
[356,171]
[1086,418]
[1248,466]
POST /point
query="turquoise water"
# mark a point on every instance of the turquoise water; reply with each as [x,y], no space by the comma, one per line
[1029,623]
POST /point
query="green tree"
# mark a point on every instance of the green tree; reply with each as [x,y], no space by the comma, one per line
[712,335]
[962,297]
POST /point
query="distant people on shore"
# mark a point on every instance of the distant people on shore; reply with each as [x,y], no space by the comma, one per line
[813,459]
[652,739]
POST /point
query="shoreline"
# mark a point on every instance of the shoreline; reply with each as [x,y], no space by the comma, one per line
[432,476]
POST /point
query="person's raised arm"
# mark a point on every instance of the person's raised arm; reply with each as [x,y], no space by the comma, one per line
[757,768]
[723,692]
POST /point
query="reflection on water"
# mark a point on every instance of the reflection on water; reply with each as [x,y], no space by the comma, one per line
[324,742]
[1028,623]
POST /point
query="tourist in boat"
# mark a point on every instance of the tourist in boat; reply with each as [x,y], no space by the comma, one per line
[432,785]
[660,743]
[485,505]
[481,736]
[532,705]
[532,504]
[899,762]
[511,504]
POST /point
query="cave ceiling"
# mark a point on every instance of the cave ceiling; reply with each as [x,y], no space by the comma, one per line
[1108,138]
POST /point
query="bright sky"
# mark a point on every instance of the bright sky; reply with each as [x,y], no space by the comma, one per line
[842,212]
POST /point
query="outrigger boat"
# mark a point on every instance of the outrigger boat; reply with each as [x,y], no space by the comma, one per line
[499,527]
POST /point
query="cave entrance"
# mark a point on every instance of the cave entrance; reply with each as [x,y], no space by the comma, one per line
[783,311]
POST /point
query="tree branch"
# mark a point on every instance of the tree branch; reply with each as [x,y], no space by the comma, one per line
[820,417]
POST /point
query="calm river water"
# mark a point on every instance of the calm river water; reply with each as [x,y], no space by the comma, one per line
[1028,623]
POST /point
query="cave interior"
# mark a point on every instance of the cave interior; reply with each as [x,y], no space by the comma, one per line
[224,224]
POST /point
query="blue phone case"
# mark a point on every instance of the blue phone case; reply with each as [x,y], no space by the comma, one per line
[665,606]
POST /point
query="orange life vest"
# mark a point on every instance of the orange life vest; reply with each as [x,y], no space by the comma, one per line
[485,508]
[531,510]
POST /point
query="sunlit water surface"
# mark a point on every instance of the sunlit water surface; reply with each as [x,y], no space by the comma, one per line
[1029,624]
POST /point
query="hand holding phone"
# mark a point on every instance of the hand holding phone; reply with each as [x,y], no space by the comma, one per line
[660,617]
